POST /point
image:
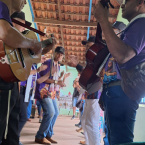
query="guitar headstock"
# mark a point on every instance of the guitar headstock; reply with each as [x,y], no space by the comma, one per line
[106,3]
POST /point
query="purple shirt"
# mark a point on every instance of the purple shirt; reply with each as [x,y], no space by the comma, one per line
[39,87]
[134,36]
[4,12]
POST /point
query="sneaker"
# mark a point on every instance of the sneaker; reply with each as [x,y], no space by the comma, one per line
[78,125]
[51,140]
[73,117]
[42,141]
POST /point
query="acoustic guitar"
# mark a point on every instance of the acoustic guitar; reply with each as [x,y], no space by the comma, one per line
[16,64]
[96,57]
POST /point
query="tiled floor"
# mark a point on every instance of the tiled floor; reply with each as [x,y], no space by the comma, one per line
[64,131]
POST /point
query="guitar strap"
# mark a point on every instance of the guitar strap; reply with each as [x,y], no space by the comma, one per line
[28,27]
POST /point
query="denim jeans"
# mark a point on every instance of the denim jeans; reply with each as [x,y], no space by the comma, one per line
[38,107]
[29,108]
[83,107]
[56,113]
[105,139]
[120,115]
[74,101]
[50,113]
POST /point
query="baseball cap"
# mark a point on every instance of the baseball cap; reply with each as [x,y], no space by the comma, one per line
[20,15]
[60,49]
[91,39]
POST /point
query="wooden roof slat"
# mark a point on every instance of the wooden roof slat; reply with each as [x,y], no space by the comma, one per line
[72,5]
[67,23]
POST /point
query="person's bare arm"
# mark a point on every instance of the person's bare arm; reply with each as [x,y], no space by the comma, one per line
[119,50]
[61,75]
[46,79]
[60,82]
[13,38]
[66,76]
[43,78]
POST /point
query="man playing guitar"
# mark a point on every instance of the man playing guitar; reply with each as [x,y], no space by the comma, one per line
[9,94]
[129,52]
[90,118]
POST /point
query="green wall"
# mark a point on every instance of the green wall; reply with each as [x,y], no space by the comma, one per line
[28,14]
[69,80]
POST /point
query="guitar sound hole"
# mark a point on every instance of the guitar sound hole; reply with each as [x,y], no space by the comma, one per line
[31,52]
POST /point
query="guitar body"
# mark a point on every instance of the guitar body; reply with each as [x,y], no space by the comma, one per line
[16,64]
[94,57]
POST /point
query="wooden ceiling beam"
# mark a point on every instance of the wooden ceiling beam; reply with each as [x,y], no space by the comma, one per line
[68,23]
[69,28]
[70,13]
[72,5]
[75,46]
[75,51]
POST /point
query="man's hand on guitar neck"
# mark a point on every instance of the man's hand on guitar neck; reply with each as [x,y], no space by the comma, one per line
[48,45]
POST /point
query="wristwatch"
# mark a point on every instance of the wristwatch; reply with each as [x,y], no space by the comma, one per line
[55,81]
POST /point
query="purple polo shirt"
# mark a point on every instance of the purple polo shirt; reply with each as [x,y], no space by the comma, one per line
[39,87]
[134,36]
[4,12]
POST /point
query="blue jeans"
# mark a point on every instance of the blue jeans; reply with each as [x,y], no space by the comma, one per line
[29,108]
[50,113]
[38,107]
[120,115]
[74,101]
[56,113]
[83,107]
[105,139]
